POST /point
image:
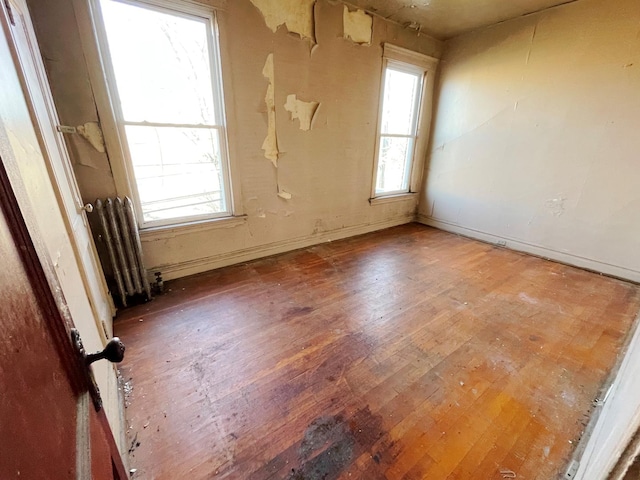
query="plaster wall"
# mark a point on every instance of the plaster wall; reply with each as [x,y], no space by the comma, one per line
[535,143]
[327,170]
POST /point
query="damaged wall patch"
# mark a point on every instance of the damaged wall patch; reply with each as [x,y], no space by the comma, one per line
[303,111]
[556,206]
[296,15]
[358,26]
[92,132]
[270,144]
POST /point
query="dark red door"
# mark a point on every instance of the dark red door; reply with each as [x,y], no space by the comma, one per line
[51,426]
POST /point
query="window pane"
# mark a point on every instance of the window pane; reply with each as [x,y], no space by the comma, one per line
[401,91]
[178,171]
[394,164]
[161,63]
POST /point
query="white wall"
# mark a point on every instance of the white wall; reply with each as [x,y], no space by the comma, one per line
[536,138]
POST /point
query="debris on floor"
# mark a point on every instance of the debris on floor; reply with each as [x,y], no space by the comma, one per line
[134,444]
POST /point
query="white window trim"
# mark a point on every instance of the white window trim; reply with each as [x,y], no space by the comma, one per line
[102,80]
[413,62]
[393,198]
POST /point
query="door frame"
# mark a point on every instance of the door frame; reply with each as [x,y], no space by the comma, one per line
[615,420]
[106,310]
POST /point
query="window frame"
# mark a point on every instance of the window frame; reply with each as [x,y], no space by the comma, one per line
[401,59]
[114,133]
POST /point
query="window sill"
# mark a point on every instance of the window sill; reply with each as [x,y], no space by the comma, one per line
[400,197]
[169,231]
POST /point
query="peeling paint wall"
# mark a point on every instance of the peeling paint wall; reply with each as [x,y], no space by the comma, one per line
[302,111]
[357,26]
[92,133]
[296,15]
[535,138]
[64,60]
[270,144]
[321,185]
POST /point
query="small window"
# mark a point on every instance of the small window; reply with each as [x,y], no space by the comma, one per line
[401,105]
[165,82]
[398,127]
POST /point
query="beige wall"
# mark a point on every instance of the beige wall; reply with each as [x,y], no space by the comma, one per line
[536,139]
[328,170]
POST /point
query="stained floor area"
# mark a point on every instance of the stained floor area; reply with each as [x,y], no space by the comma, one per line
[409,353]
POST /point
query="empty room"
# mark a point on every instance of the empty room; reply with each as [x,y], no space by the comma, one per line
[316,239]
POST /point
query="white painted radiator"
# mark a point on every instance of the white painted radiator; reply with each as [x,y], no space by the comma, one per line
[123,246]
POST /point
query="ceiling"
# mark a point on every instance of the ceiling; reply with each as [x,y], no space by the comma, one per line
[444,19]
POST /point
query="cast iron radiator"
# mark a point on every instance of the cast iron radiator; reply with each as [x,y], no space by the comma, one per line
[124,250]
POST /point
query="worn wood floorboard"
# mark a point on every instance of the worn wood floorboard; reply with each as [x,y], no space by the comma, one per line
[409,353]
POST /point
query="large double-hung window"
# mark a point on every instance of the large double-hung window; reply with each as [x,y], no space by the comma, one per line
[405,108]
[164,78]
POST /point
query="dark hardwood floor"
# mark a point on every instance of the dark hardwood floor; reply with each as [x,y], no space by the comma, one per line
[408,353]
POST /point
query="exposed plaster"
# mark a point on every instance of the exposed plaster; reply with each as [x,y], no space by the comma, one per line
[92,132]
[270,144]
[303,111]
[296,15]
[556,206]
[358,26]
[388,18]
[285,195]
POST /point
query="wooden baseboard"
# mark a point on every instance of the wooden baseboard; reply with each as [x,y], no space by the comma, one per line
[537,250]
[199,265]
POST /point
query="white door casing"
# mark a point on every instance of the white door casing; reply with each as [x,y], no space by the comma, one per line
[53,147]
[618,419]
